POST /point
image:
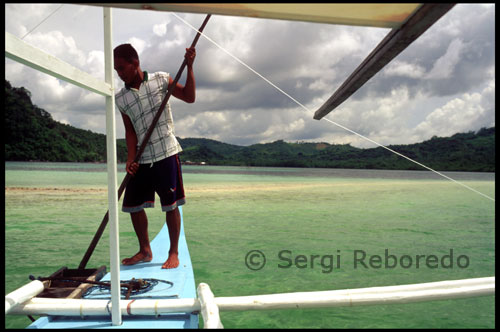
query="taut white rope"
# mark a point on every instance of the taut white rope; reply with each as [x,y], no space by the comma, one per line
[333,122]
[414,161]
[45,19]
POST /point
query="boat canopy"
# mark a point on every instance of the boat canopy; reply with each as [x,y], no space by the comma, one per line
[368,14]
[407,22]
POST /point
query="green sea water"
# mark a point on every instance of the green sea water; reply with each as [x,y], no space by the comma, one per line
[313,227]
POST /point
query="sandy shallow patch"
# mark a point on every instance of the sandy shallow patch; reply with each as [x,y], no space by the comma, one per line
[54,190]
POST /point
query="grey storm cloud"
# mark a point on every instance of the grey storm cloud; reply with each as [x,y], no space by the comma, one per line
[453,56]
[441,84]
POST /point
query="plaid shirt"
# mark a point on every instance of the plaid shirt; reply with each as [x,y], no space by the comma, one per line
[141,107]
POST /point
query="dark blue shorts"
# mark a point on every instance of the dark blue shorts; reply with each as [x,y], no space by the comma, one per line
[163,177]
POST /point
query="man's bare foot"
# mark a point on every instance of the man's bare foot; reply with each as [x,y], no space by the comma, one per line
[172,261]
[137,258]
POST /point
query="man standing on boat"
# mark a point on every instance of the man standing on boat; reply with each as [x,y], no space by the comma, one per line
[159,168]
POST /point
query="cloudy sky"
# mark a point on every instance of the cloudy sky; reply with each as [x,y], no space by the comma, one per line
[441,84]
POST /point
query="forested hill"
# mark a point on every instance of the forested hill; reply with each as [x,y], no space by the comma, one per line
[31,134]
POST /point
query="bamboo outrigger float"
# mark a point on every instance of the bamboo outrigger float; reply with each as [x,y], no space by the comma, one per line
[179,305]
[210,305]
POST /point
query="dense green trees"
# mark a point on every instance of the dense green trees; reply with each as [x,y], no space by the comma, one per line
[461,152]
[32,134]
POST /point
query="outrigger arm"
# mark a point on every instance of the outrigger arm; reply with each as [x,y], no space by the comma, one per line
[394,43]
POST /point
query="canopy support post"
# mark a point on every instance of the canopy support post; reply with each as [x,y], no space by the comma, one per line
[114,240]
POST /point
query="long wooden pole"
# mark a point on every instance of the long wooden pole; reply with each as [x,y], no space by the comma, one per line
[138,155]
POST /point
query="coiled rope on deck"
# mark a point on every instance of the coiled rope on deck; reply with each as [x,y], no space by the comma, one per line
[141,286]
[331,121]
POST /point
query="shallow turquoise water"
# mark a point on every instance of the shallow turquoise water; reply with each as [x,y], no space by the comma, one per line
[288,215]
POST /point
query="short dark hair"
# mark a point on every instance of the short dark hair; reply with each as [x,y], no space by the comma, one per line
[126,51]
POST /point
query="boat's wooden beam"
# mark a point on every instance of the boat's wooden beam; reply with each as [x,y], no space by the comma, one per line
[82,288]
[22,52]
[393,44]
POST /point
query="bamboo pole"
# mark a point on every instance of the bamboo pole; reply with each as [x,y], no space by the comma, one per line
[452,289]
[209,309]
[362,296]
[23,294]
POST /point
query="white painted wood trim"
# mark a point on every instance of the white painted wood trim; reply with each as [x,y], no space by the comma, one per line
[22,52]
[114,233]
[209,309]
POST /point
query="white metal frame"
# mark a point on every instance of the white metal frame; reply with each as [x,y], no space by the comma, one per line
[33,57]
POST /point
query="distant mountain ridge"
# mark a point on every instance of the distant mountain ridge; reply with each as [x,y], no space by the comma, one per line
[473,152]
[32,134]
